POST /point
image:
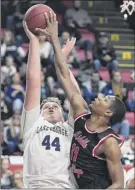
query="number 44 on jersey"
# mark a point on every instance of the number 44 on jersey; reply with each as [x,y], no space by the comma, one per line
[48,144]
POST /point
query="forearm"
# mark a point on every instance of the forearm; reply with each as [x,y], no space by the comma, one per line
[74,81]
[60,60]
[33,72]
[33,64]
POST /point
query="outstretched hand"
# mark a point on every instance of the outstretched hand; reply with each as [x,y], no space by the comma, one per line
[68,47]
[28,32]
[51,30]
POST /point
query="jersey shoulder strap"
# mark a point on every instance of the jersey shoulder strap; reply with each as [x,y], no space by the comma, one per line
[101,138]
[109,133]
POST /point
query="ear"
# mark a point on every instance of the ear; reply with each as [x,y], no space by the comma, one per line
[108,113]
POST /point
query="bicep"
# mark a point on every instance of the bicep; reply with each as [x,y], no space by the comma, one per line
[113,157]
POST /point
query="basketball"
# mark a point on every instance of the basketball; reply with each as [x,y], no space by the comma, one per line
[35,17]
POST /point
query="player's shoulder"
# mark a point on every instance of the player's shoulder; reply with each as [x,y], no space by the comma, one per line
[108,137]
[68,126]
[110,141]
[111,147]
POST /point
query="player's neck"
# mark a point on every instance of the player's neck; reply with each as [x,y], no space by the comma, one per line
[54,122]
[97,123]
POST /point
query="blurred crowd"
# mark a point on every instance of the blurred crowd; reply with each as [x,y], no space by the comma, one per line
[14,53]
[8,178]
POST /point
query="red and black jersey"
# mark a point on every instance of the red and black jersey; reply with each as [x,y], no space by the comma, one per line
[90,170]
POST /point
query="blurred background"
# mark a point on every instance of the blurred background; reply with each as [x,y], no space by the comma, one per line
[102,62]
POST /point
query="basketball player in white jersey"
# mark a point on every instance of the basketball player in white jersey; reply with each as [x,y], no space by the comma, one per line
[47,138]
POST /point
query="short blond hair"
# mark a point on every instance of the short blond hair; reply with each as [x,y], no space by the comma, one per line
[51,99]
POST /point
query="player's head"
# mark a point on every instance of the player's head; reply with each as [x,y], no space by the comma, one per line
[51,110]
[110,108]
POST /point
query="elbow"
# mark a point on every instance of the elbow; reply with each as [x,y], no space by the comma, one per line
[119,185]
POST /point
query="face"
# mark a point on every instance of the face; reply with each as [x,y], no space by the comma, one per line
[52,112]
[16,78]
[101,105]
[9,61]
[95,77]
[65,36]
[117,77]
[8,36]
[5,164]
[77,4]
[17,178]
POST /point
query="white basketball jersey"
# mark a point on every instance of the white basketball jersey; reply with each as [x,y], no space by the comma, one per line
[47,155]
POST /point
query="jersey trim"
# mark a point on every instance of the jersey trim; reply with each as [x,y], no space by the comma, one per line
[82,114]
[90,131]
[101,142]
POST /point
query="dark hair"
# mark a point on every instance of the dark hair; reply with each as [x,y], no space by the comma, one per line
[118,108]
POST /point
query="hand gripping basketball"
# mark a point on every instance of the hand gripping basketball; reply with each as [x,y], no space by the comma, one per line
[28,32]
[52,26]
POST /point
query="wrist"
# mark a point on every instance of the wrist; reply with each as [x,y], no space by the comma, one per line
[54,39]
[34,39]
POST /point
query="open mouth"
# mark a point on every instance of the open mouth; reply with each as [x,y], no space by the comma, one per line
[51,112]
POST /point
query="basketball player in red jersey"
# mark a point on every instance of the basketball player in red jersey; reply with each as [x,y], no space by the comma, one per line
[95,152]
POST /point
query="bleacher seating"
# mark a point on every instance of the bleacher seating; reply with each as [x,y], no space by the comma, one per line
[106,18]
[130,95]
[68,3]
[126,75]
[87,35]
[104,74]
[81,55]
[130,116]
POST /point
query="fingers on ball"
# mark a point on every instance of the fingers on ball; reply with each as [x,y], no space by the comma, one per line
[47,19]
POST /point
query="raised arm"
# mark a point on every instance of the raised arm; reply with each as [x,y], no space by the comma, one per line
[32,98]
[77,102]
[66,51]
